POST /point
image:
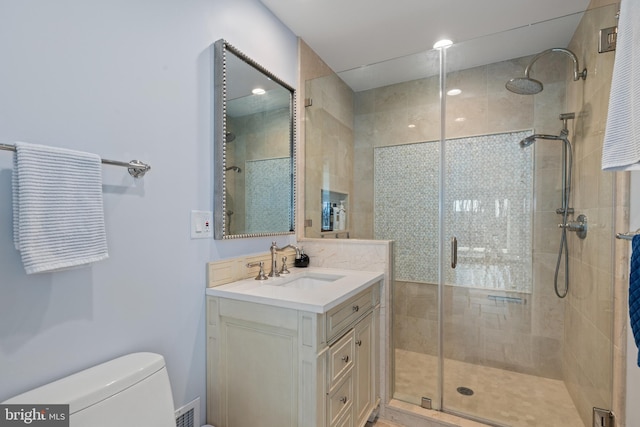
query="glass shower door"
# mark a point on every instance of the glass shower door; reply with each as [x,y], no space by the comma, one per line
[501,360]
[487,297]
[514,353]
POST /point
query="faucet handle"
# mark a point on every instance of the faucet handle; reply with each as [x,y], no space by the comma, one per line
[284,269]
[261,275]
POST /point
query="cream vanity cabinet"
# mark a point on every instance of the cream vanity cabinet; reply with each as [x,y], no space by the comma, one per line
[272,366]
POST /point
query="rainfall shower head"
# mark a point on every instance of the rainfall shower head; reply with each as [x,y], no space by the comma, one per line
[524,86]
[234,168]
[528,86]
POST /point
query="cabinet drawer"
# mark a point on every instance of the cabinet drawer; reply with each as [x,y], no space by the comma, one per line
[340,400]
[340,317]
[340,358]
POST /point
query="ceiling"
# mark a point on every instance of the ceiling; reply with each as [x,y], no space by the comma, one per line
[351,34]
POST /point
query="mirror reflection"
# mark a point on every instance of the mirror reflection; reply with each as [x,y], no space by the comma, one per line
[254,148]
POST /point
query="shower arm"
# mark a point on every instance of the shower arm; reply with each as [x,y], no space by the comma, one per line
[576,74]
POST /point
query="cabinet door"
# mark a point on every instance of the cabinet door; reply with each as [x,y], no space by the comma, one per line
[364,373]
[258,375]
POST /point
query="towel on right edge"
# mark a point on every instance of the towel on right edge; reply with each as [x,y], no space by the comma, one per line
[621,150]
[634,290]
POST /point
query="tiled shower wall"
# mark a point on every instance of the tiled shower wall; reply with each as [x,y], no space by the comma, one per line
[265,194]
[589,307]
[258,136]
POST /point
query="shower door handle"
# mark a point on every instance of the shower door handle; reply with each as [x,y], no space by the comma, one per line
[454,252]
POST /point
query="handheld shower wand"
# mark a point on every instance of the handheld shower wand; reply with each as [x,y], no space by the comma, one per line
[565,210]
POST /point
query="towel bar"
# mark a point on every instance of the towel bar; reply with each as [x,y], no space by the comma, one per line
[136,168]
[628,235]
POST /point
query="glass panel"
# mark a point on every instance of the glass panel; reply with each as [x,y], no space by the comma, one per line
[508,337]
[397,150]
[329,148]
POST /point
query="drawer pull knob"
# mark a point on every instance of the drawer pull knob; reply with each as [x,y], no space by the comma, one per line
[359,343]
[343,399]
[356,307]
[345,359]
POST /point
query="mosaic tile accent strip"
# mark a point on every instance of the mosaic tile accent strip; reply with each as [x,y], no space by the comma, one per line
[405,207]
[266,198]
[488,207]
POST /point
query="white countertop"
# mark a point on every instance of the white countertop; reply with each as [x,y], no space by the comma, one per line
[317,299]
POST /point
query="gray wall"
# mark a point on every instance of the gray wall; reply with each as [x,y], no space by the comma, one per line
[124,79]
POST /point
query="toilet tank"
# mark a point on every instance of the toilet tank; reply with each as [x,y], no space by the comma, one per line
[130,391]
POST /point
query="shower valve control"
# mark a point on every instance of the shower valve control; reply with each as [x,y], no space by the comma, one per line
[579,226]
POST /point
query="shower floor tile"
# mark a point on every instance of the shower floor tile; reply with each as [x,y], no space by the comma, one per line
[505,397]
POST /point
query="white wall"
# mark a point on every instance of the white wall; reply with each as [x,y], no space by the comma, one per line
[124,79]
[633,371]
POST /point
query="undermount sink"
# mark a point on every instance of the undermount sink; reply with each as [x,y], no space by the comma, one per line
[308,281]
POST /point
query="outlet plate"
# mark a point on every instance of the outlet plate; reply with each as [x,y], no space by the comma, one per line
[201,224]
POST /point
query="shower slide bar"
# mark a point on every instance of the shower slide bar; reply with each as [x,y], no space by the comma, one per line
[627,236]
[136,168]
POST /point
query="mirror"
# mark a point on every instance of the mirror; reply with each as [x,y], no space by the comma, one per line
[254,148]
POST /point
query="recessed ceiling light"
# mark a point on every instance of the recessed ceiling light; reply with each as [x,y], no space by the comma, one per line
[442,44]
[454,92]
[258,91]
[412,126]
[459,119]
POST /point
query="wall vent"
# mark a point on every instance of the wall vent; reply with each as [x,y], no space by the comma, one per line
[189,414]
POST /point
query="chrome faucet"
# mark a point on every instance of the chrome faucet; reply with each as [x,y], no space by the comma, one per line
[274,255]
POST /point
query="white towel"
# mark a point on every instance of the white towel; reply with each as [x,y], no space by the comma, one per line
[58,215]
[621,150]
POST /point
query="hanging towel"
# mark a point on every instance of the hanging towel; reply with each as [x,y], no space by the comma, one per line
[634,290]
[58,215]
[621,150]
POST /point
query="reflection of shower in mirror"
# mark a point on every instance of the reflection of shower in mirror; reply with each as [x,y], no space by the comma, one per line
[229,213]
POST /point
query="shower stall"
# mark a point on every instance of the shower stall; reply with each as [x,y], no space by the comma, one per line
[499,312]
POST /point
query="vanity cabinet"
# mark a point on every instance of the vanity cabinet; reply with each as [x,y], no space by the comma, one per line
[271,366]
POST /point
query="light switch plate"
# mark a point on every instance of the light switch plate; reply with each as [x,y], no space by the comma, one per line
[201,224]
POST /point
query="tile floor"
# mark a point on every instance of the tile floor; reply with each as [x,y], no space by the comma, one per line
[506,397]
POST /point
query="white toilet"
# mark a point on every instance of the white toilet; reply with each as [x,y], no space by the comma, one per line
[130,391]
